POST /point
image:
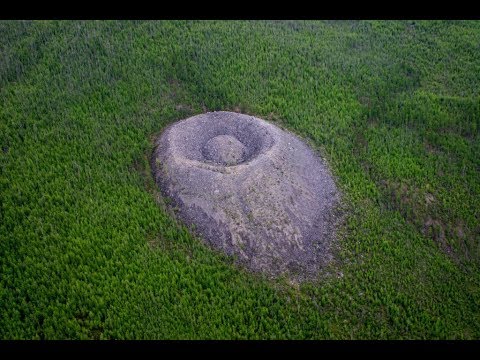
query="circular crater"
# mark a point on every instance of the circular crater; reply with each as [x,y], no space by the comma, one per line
[219,139]
[274,213]
[225,150]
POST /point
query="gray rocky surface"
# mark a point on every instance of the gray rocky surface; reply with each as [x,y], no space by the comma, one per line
[251,190]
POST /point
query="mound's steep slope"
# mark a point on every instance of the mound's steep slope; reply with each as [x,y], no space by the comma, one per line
[251,189]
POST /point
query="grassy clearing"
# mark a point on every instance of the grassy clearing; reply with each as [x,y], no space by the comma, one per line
[87,252]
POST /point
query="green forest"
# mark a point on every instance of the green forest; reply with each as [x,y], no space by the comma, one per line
[89,251]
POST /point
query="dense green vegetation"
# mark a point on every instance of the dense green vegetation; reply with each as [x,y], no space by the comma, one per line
[88,251]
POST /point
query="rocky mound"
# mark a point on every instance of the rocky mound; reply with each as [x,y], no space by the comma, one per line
[251,190]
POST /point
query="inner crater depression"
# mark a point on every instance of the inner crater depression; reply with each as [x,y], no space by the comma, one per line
[251,190]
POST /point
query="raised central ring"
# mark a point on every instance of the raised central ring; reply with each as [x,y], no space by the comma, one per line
[220,140]
[225,150]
